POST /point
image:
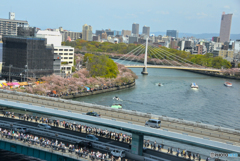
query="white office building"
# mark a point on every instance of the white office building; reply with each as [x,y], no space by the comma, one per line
[67,58]
[53,37]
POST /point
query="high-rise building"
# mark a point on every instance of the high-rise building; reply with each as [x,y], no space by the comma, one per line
[99,32]
[9,26]
[146,30]
[104,35]
[172,33]
[225,28]
[87,32]
[126,33]
[132,39]
[135,29]
[29,53]
[216,39]
[110,33]
[26,31]
[69,34]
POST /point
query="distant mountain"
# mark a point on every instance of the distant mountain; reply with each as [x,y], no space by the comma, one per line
[207,36]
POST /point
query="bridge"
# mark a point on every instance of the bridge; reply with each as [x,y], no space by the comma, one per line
[198,134]
[161,58]
[174,67]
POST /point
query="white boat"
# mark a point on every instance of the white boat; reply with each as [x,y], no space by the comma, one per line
[194,85]
[228,84]
[160,84]
[117,98]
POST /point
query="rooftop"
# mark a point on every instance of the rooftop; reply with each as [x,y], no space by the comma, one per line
[66,47]
[46,32]
[22,21]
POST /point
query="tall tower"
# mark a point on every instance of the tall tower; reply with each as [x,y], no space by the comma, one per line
[225,28]
[135,29]
[87,32]
[146,30]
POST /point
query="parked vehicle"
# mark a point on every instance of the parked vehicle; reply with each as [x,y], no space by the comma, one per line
[92,137]
[118,153]
[153,123]
[44,126]
[21,129]
[93,114]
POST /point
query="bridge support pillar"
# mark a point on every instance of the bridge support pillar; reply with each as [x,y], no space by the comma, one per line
[144,72]
[137,144]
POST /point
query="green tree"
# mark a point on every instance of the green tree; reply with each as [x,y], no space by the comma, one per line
[238,65]
[73,69]
[101,66]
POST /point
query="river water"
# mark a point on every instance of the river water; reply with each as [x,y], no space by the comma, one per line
[212,103]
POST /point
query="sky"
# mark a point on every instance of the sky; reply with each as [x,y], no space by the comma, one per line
[186,16]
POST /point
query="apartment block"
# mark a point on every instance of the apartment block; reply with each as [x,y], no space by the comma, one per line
[67,58]
[9,26]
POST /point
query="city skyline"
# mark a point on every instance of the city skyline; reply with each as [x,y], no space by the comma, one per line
[122,16]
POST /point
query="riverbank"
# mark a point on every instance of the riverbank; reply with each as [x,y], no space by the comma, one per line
[125,86]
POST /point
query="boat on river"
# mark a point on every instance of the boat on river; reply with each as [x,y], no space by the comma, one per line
[228,84]
[160,84]
[194,85]
[117,98]
[117,106]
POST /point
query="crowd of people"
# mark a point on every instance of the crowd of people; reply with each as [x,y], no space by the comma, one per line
[56,145]
[107,134]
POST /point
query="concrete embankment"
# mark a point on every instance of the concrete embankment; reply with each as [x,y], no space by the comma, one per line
[99,91]
[172,124]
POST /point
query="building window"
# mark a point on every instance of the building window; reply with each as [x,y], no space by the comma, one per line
[65,49]
[65,57]
[68,68]
[55,49]
[60,49]
[65,53]
[70,57]
[70,62]
[70,53]
[63,68]
[70,49]
[60,53]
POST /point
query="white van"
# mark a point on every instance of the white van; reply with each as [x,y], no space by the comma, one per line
[118,153]
[153,123]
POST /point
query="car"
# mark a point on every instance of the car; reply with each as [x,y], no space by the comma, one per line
[21,129]
[87,144]
[92,137]
[118,153]
[153,123]
[44,126]
[93,114]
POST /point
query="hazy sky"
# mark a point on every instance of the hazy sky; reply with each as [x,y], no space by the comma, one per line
[187,16]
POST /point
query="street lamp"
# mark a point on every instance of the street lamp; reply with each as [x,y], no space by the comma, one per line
[21,76]
[10,66]
[26,66]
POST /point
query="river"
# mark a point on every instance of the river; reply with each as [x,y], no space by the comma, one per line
[212,103]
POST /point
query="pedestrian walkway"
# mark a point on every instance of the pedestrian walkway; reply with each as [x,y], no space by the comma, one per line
[106,134]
